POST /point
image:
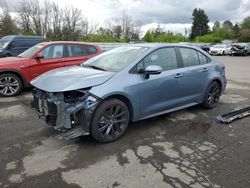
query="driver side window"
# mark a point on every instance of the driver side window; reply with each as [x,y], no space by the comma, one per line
[164,57]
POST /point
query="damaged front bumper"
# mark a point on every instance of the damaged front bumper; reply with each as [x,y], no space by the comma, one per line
[69,112]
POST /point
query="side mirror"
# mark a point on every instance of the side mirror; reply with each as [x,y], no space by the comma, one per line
[39,56]
[152,69]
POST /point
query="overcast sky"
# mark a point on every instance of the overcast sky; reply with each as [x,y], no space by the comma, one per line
[174,15]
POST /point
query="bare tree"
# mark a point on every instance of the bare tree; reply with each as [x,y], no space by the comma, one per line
[72,17]
[36,13]
[46,21]
[23,10]
[4,8]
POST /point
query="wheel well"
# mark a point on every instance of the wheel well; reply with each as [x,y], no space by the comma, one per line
[16,74]
[125,100]
[218,81]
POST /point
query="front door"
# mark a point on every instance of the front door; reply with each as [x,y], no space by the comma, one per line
[53,58]
[163,91]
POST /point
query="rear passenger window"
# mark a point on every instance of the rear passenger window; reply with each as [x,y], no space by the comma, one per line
[202,58]
[75,50]
[164,57]
[90,49]
[189,57]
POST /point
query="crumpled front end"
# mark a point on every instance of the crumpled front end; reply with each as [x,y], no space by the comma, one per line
[69,112]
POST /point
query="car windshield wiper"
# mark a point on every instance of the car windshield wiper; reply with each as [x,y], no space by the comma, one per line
[95,67]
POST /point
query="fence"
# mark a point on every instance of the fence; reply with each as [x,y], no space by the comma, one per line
[109,46]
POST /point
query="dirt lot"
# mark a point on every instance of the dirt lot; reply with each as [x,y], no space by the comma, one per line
[182,149]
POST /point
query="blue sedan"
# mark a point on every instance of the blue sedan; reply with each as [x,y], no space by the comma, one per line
[129,83]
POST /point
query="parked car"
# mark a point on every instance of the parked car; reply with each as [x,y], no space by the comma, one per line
[13,45]
[220,49]
[17,72]
[205,47]
[128,83]
[240,49]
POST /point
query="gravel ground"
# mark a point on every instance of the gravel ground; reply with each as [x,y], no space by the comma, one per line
[187,148]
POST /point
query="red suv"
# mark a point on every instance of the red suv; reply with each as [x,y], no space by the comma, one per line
[17,72]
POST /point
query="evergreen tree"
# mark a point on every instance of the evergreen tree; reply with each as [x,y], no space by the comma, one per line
[216,26]
[227,25]
[200,23]
[7,25]
[236,31]
[148,37]
[246,23]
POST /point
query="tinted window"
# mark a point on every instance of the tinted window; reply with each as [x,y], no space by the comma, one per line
[164,57]
[91,49]
[75,50]
[189,57]
[202,58]
[53,51]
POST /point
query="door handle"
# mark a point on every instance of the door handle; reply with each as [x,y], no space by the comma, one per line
[204,69]
[178,75]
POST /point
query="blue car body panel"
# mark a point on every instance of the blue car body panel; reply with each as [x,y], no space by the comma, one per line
[165,92]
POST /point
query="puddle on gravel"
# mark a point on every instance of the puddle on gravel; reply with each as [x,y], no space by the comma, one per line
[200,127]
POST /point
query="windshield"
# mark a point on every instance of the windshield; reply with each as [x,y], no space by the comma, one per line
[4,44]
[116,59]
[31,51]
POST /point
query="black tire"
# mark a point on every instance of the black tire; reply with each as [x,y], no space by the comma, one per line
[10,85]
[110,121]
[244,53]
[212,95]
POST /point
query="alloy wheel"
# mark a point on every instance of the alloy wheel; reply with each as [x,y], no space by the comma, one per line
[214,94]
[113,121]
[9,86]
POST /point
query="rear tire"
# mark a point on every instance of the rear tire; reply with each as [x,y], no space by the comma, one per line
[10,85]
[110,121]
[212,95]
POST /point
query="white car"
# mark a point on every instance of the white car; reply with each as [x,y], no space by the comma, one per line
[220,49]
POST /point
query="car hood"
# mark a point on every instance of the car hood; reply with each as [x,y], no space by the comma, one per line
[70,78]
[11,60]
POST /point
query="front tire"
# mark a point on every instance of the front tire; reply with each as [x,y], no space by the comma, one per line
[110,121]
[10,85]
[212,95]
[244,53]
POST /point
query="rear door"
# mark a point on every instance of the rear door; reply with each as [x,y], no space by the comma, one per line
[195,73]
[75,54]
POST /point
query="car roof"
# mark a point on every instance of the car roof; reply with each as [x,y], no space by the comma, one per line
[158,45]
[66,42]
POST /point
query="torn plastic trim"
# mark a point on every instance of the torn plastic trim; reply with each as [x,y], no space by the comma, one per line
[231,116]
[81,110]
